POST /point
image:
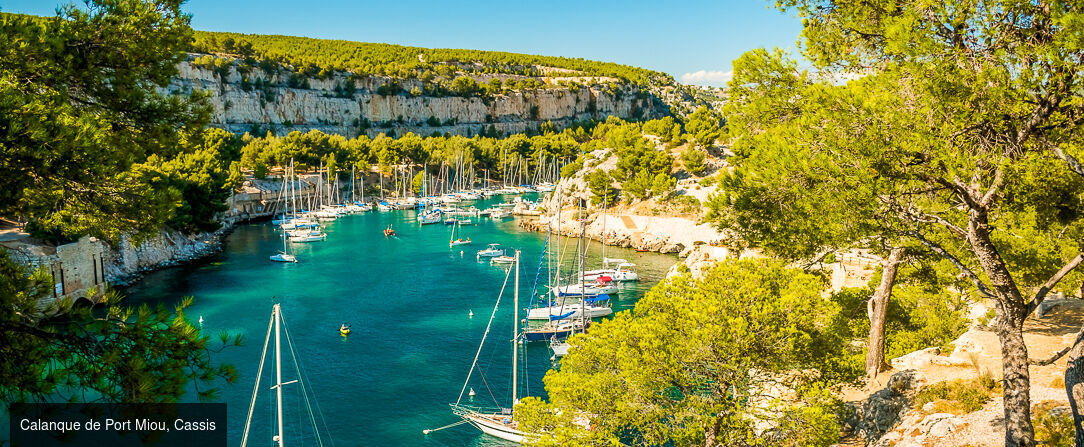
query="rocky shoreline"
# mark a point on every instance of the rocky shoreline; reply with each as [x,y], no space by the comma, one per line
[127,262]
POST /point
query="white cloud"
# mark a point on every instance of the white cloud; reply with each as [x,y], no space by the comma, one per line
[707,77]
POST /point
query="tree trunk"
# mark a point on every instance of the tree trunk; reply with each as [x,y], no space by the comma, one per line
[1019,431]
[878,311]
[1074,385]
[1011,313]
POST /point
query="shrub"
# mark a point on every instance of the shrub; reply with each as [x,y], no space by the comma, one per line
[968,395]
[693,159]
[1052,429]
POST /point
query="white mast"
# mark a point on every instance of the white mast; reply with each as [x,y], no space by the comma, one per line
[515,332]
[278,372]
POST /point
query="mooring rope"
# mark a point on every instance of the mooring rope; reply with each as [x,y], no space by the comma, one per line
[453,424]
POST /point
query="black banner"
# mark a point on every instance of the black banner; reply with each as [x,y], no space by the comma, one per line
[118,425]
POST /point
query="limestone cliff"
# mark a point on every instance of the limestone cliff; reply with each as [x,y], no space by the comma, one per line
[239,105]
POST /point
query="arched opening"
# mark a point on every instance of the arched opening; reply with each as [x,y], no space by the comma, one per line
[83,302]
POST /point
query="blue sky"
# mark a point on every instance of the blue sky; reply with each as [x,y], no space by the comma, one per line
[693,40]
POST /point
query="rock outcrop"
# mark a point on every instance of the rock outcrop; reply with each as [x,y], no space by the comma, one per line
[127,260]
[242,104]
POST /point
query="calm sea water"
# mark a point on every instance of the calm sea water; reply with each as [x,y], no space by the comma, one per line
[408,299]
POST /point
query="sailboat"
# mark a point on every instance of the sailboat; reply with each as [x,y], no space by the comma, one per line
[622,272]
[278,326]
[284,255]
[566,319]
[452,241]
[498,422]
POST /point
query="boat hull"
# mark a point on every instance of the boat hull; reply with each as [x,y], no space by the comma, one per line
[544,313]
[613,274]
[560,349]
[559,334]
[496,428]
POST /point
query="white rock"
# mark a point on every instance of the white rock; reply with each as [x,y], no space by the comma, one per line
[915,360]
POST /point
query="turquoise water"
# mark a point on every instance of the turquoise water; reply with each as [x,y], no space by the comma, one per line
[408,299]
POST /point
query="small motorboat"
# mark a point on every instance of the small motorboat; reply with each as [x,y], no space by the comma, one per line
[459,242]
[491,251]
[502,259]
[310,236]
[429,218]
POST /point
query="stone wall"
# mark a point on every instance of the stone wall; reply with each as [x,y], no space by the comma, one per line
[77,269]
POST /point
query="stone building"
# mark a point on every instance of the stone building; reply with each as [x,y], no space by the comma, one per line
[77,269]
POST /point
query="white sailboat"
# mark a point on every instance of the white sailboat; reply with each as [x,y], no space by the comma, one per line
[601,286]
[278,326]
[453,241]
[622,272]
[499,422]
[284,255]
[586,308]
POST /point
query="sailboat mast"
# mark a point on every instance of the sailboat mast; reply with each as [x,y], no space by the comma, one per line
[293,190]
[278,373]
[515,332]
[605,195]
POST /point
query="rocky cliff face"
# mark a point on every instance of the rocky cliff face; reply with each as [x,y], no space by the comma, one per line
[125,262]
[239,106]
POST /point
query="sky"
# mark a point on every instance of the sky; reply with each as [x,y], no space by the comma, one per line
[693,40]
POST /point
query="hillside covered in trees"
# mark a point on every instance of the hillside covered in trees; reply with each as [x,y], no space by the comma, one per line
[318,57]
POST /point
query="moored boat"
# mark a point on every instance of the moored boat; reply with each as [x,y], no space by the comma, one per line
[491,251]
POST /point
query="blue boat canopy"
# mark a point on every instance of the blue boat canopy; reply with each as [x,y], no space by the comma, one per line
[601,297]
[561,317]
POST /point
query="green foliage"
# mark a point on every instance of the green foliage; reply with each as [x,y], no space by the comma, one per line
[685,204]
[638,161]
[80,104]
[924,310]
[665,128]
[464,86]
[690,360]
[147,354]
[417,182]
[663,184]
[572,168]
[967,395]
[199,179]
[410,62]
[955,111]
[1056,430]
[693,159]
[602,191]
[638,187]
[704,125]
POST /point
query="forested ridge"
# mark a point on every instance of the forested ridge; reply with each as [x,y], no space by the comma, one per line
[318,57]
